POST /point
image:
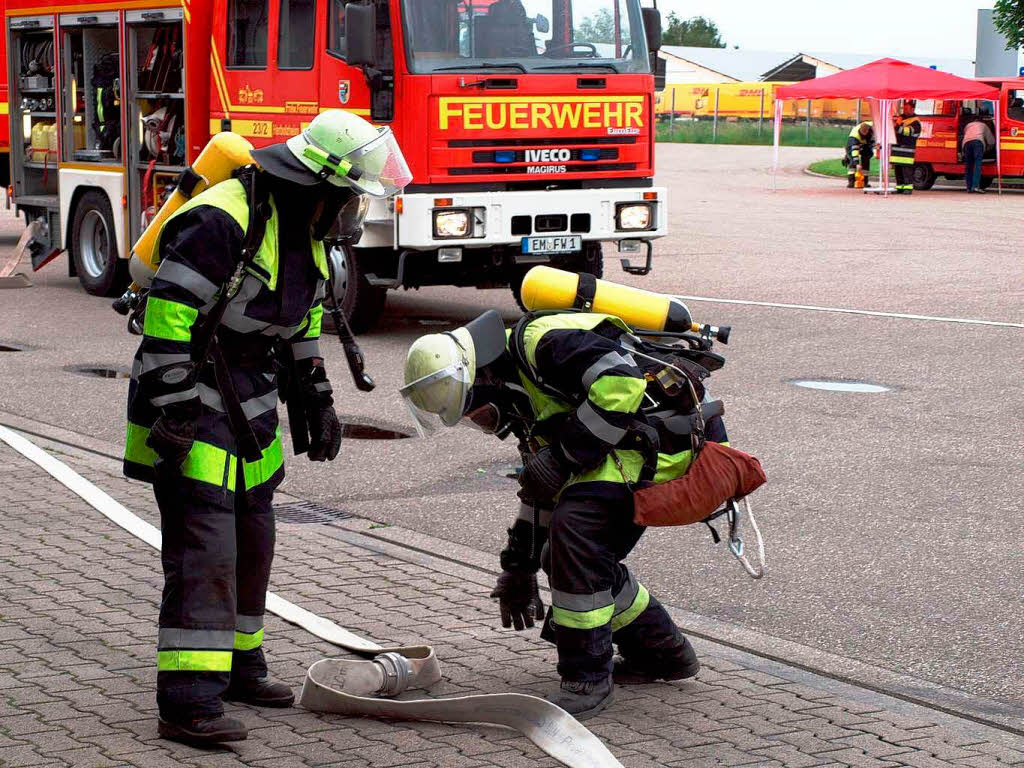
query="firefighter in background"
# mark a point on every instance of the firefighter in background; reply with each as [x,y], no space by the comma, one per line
[908,129]
[576,391]
[205,432]
[860,148]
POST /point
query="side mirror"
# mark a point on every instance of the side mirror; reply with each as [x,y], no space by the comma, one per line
[542,24]
[652,28]
[658,67]
[360,33]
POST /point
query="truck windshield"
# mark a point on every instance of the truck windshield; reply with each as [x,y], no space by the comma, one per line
[524,35]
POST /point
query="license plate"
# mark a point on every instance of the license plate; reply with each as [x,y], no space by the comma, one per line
[556,244]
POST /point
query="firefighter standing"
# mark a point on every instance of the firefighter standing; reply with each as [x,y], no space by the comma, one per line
[576,389]
[205,432]
[908,129]
[860,148]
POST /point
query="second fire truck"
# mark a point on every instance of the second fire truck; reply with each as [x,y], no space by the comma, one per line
[528,125]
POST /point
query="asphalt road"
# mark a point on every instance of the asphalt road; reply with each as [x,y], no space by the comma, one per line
[892,519]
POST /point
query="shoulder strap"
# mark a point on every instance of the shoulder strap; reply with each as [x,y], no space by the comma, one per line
[259,211]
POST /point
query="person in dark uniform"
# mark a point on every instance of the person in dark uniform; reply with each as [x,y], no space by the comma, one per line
[574,383]
[908,130]
[203,428]
[860,148]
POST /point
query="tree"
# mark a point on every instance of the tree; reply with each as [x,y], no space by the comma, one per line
[599,28]
[699,31]
[1009,20]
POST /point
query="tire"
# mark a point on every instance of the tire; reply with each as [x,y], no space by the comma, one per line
[924,176]
[362,303]
[93,247]
[591,260]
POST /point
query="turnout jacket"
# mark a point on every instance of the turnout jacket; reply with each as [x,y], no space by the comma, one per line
[279,301]
[587,358]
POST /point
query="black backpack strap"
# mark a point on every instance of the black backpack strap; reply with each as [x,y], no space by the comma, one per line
[586,289]
[258,198]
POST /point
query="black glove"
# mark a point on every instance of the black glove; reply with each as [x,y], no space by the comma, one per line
[543,474]
[171,439]
[518,599]
[324,433]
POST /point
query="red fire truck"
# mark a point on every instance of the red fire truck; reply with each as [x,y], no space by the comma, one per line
[939,150]
[527,124]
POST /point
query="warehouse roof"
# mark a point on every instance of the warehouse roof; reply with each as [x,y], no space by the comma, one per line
[739,64]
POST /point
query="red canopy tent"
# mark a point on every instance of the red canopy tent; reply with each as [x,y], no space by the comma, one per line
[883,82]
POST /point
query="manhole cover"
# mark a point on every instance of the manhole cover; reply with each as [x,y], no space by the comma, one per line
[11,348]
[370,432]
[837,385]
[100,371]
[307,513]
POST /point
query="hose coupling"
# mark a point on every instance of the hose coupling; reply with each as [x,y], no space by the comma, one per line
[397,673]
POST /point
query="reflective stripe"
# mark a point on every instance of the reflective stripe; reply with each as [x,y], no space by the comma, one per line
[174,397]
[205,462]
[176,273]
[598,427]
[303,350]
[609,361]
[151,362]
[587,620]
[626,595]
[253,407]
[256,406]
[622,394]
[323,386]
[193,661]
[170,638]
[258,472]
[246,641]
[248,624]
[169,320]
[643,598]
[316,317]
[543,515]
[582,603]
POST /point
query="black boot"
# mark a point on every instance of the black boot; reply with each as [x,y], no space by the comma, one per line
[850,182]
[260,692]
[203,731]
[583,699]
[679,664]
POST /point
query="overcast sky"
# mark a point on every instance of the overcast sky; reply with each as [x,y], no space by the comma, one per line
[944,28]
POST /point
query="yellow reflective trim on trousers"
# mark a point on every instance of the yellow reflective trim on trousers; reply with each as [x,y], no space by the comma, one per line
[205,462]
[193,661]
[640,603]
[622,394]
[169,320]
[245,641]
[258,472]
[582,619]
[316,317]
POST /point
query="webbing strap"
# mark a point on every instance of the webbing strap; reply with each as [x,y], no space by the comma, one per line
[586,289]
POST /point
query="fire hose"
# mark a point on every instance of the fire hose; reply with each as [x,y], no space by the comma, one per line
[363,687]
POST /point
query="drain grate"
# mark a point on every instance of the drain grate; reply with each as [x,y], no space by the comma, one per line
[99,371]
[308,513]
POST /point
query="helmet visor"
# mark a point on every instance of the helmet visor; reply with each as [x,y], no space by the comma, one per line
[378,167]
[439,398]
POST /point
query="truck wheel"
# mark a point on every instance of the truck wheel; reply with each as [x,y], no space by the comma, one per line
[591,260]
[924,176]
[93,247]
[362,303]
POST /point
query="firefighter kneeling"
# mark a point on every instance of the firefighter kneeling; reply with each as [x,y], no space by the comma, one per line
[908,129]
[860,148]
[570,386]
[236,300]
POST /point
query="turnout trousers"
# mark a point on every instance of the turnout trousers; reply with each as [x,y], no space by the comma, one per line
[595,599]
[216,562]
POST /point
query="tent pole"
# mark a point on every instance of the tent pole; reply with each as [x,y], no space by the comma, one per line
[777,129]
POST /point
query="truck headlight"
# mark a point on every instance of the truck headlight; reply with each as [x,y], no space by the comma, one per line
[452,223]
[633,216]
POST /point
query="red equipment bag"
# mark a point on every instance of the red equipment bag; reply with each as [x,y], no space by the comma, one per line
[719,473]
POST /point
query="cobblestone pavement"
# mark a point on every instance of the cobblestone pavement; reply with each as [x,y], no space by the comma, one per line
[78,604]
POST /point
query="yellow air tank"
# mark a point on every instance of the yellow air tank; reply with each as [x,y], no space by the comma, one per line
[549,288]
[224,153]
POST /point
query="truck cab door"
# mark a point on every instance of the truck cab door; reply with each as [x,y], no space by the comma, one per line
[342,86]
